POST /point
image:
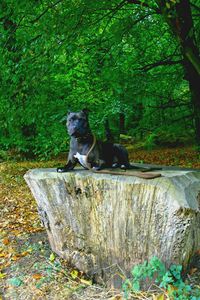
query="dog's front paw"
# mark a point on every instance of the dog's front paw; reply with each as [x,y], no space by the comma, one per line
[62,170]
[96,168]
[115,165]
[123,167]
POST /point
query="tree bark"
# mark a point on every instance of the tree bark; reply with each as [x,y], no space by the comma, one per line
[121,123]
[104,224]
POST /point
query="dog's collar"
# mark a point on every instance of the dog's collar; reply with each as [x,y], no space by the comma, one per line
[84,138]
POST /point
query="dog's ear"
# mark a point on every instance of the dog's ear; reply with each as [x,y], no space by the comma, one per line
[68,112]
[86,111]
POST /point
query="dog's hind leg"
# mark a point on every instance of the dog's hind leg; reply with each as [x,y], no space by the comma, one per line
[122,157]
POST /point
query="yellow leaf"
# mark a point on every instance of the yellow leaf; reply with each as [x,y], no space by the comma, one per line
[2,275]
[15,257]
[37,276]
[168,5]
[159,297]
[86,282]
[4,255]
[24,253]
[52,257]
[74,274]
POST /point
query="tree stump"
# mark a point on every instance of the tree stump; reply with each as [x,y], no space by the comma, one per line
[101,223]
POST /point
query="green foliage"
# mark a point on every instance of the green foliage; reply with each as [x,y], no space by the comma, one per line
[149,142]
[110,57]
[155,271]
[4,155]
[169,136]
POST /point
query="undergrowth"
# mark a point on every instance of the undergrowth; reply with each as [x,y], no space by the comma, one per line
[169,281]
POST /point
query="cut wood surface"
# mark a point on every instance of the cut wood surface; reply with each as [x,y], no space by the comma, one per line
[104,223]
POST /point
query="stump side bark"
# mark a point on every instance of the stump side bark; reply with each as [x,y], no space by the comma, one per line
[101,222]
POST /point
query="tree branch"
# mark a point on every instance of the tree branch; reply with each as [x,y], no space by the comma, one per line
[142,4]
[195,6]
[45,11]
[167,97]
[188,116]
[169,105]
[159,63]
[111,12]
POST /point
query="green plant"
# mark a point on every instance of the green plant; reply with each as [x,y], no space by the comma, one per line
[149,142]
[4,156]
[170,280]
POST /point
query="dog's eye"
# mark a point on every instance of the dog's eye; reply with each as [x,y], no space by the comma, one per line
[71,119]
[79,119]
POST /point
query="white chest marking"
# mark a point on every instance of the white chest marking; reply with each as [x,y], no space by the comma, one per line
[82,159]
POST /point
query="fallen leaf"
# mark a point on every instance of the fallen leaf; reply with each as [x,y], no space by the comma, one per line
[7,264]
[15,258]
[86,282]
[4,254]
[25,253]
[37,276]
[52,257]
[74,274]
[6,241]
[2,275]
[159,297]
[173,288]
[192,271]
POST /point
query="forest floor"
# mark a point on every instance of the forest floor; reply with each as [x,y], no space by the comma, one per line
[28,268]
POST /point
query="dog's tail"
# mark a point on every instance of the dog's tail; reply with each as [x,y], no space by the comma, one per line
[109,136]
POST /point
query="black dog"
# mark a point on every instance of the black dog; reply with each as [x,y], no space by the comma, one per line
[88,152]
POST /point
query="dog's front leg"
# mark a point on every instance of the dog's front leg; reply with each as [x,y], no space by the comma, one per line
[97,166]
[71,163]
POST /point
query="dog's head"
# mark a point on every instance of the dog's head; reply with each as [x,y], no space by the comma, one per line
[78,124]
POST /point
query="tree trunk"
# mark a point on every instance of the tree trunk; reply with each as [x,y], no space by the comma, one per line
[194,82]
[191,61]
[179,17]
[121,123]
